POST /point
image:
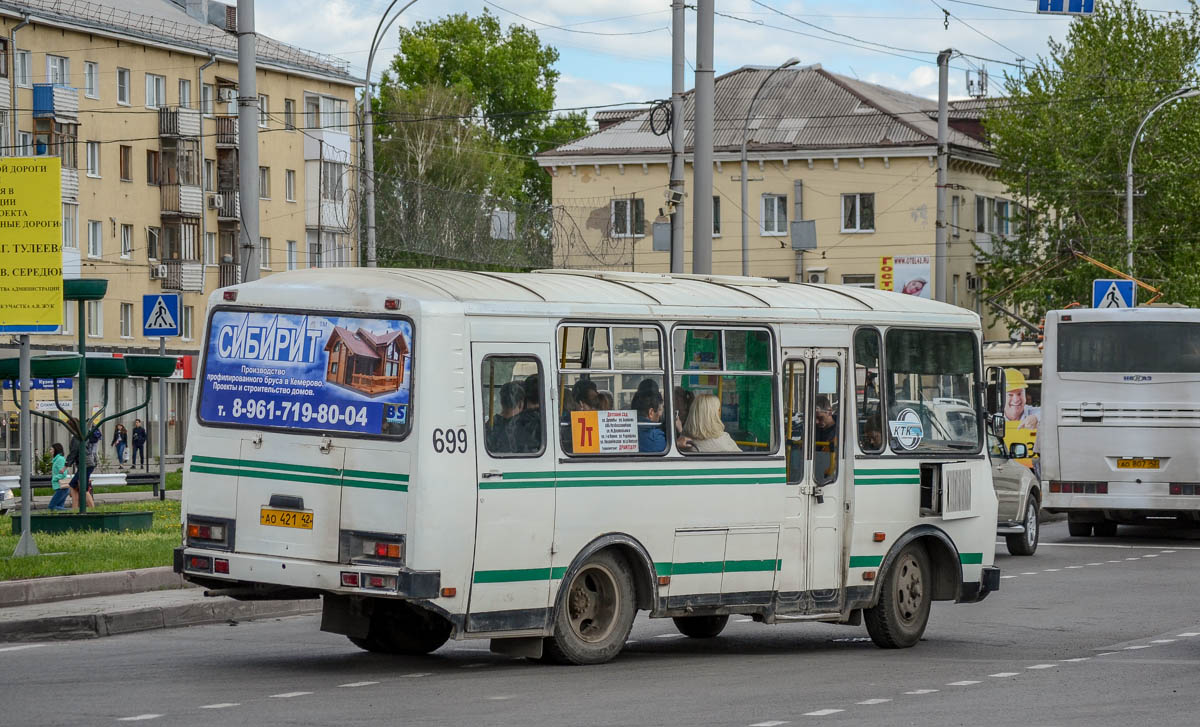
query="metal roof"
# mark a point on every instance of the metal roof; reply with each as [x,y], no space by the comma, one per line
[799,109]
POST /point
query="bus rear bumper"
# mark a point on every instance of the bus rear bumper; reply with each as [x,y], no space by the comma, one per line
[974,592]
[257,574]
[1059,502]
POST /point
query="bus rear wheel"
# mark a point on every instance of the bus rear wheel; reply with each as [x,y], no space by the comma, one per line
[900,617]
[398,628]
[1106,529]
[700,627]
[596,613]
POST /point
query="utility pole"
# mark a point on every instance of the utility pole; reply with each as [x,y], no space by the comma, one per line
[247,139]
[943,133]
[702,141]
[677,134]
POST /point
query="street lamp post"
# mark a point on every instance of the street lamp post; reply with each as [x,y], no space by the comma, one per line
[1185,92]
[368,130]
[745,131]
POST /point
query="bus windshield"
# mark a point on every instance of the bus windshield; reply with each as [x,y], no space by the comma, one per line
[932,391]
[1129,347]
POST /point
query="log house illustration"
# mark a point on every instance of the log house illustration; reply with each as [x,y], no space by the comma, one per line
[366,362]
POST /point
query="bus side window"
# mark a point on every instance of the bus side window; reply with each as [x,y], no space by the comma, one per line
[866,384]
[794,393]
[510,403]
[827,407]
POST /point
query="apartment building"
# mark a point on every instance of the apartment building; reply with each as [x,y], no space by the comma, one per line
[139,99]
[856,160]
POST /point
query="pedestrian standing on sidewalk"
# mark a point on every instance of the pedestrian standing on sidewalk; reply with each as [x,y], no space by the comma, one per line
[58,478]
[120,441]
[139,443]
[93,441]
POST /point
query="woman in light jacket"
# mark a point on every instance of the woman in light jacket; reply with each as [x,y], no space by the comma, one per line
[58,478]
[704,426]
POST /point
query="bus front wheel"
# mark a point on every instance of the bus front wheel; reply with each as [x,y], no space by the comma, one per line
[596,613]
[700,627]
[900,617]
[398,628]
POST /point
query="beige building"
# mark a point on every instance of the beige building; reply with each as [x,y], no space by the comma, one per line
[857,160]
[138,98]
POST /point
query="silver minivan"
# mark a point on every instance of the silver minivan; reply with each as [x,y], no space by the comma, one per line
[1019,495]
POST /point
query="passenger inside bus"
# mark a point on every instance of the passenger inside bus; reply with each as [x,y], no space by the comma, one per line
[648,402]
[705,429]
[529,421]
[503,432]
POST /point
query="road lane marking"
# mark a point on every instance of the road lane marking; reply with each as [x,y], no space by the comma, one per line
[1072,567]
[1095,564]
[1135,558]
[1166,551]
[476,665]
[139,717]
[630,641]
[1003,674]
[1122,547]
[963,683]
[669,636]
[1006,577]
[1077,659]
[922,691]
[1164,641]
[1115,561]
[1185,634]
[1052,570]
[1030,573]
[22,646]
[415,675]
[221,705]
[1137,646]
[1107,653]
[289,695]
[769,723]
[823,712]
[745,621]
[1041,666]
[352,685]
[1150,555]
[500,697]
[873,701]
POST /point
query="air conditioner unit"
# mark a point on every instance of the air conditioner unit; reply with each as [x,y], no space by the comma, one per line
[815,276]
[216,201]
[226,94]
[974,282]
[158,272]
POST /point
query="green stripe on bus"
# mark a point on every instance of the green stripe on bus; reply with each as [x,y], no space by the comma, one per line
[370,475]
[865,561]
[627,482]
[266,465]
[970,558]
[911,471]
[512,576]
[518,575]
[527,485]
[780,471]
[369,485]
[266,475]
[889,481]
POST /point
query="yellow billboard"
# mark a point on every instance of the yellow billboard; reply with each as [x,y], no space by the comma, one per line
[31,285]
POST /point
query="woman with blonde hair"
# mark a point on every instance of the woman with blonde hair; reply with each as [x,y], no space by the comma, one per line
[704,426]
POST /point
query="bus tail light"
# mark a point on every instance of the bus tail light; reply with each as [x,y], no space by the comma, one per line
[221,565]
[200,563]
[1079,488]
[372,548]
[207,532]
[1185,488]
[349,579]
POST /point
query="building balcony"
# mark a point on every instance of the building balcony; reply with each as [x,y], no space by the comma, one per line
[181,199]
[984,245]
[178,121]
[229,274]
[326,145]
[184,275]
[5,95]
[228,204]
[70,183]
[54,100]
[227,131]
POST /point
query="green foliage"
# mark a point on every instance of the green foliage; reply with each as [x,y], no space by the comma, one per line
[1063,136]
[44,463]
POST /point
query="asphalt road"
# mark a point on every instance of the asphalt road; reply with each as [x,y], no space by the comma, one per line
[1087,632]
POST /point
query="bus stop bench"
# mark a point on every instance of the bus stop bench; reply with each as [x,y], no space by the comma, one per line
[99,479]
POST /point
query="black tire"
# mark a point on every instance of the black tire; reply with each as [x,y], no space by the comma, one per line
[1026,543]
[1079,530]
[398,628]
[1106,529]
[900,617]
[700,627]
[595,613]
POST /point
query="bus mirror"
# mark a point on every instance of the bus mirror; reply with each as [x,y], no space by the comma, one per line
[996,423]
[1018,450]
[996,387]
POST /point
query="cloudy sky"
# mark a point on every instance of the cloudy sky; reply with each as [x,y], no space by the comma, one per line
[619,51]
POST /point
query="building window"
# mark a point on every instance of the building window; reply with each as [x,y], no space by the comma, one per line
[93,159]
[95,238]
[954,291]
[127,320]
[24,144]
[185,325]
[325,112]
[156,91]
[68,313]
[185,93]
[314,249]
[207,99]
[70,236]
[716,216]
[126,154]
[628,217]
[3,58]
[22,68]
[123,86]
[210,248]
[91,79]
[331,181]
[264,183]
[152,236]
[210,174]
[955,215]
[1002,221]
[289,113]
[289,185]
[291,255]
[859,281]
[153,169]
[58,70]
[858,213]
[264,253]
[264,110]
[95,318]
[126,241]
[774,214]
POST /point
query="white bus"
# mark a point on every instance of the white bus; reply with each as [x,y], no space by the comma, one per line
[498,456]
[1120,421]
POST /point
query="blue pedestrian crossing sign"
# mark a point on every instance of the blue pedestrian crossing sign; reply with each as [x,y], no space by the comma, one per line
[1067,7]
[160,314]
[1113,294]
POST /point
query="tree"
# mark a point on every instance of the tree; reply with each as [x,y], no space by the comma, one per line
[1063,133]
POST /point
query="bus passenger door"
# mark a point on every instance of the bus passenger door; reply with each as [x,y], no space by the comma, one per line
[824,482]
[514,524]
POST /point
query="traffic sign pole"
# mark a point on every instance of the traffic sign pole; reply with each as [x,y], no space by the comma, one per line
[26,545]
[161,487]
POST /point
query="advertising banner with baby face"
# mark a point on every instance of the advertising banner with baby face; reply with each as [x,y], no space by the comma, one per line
[908,274]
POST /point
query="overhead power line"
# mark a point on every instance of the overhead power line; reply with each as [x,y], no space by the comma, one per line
[572,30]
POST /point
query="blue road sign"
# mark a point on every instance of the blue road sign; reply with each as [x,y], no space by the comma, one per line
[1113,294]
[160,314]
[1067,7]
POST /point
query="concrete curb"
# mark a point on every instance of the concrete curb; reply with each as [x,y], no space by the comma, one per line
[88,585]
[208,611]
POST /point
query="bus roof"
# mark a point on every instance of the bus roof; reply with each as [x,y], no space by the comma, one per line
[609,288]
[1141,313]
